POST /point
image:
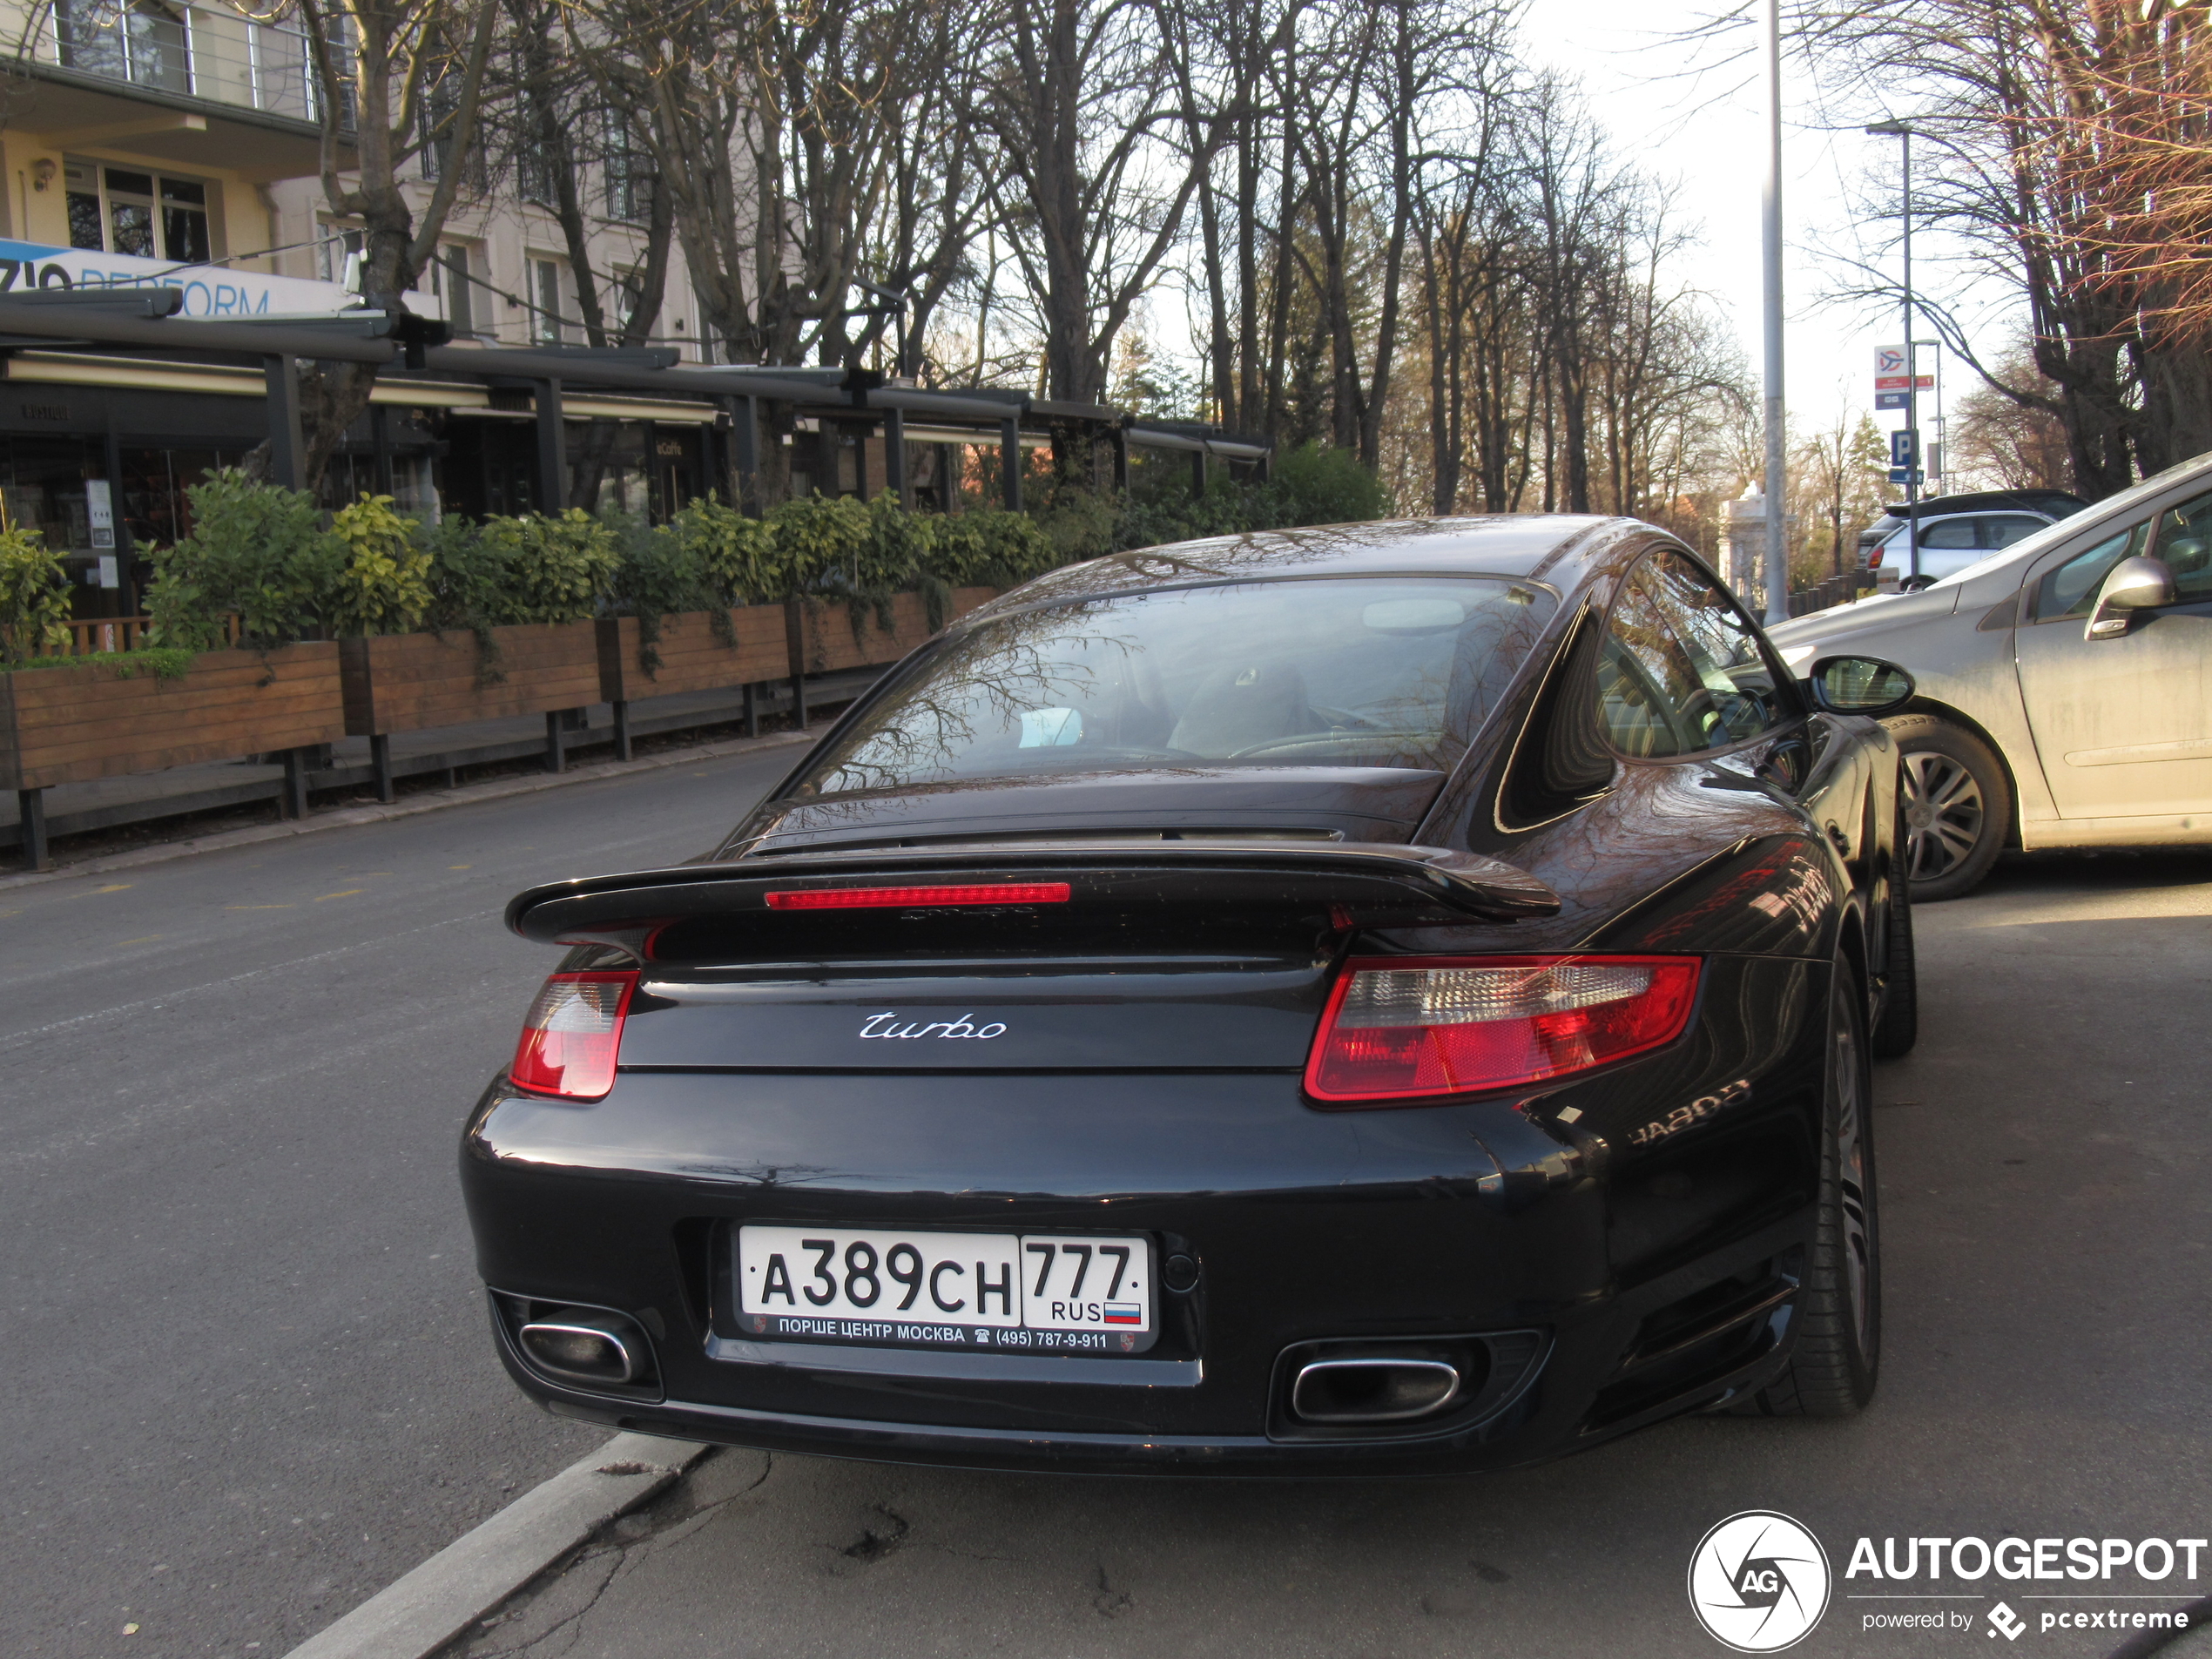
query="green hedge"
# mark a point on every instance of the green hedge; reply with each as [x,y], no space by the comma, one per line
[270,556]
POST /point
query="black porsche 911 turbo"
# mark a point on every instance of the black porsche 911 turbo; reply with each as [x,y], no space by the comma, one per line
[1392,997]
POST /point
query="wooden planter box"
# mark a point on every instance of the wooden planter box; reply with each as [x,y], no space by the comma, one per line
[67,725]
[830,642]
[409,682]
[692,657]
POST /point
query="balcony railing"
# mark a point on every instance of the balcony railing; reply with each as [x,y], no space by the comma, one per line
[209,52]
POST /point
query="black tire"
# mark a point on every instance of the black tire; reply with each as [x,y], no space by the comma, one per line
[1958,805]
[1838,1358]
[1899,1027]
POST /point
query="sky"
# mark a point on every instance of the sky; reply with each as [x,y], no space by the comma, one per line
[1695,111]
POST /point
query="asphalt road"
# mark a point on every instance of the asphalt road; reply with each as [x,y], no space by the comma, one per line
[247,1379]
[2043,1165]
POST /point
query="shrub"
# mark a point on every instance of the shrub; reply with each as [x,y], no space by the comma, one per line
[381,581]
[256,550]
[737,557]
[1311,485]
[34,595]
[555,569]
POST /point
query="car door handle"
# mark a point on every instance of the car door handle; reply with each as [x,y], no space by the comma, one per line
[1841,838]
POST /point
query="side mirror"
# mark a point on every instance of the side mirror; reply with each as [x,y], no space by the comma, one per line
[1860,685]
[2129,586]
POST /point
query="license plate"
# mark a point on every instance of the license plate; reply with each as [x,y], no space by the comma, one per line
[1042,1292]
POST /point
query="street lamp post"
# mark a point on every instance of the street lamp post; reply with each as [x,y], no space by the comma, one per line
[1778,477]
[1903,131]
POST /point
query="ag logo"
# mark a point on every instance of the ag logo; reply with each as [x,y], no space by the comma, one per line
[1758,1581]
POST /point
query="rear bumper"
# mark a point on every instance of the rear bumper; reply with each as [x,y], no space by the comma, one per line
[1641,1279]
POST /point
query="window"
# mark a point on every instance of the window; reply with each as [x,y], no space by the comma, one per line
[449,278]
[149,216]
[548,326]
[629,175]
[2185,543]
[142,41]
[2071,589]
[1682,669]
[1336,672]
[338,246]
[1948,532]
[2008,528]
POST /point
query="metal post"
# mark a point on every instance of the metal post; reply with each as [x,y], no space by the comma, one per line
[1777,475]
[751,710]
[1911,362]
[379,432]
[288,449]
[745,431]
[1121,461]
[622,731]
[795,643]
[31,818]
[555,751]
[552,481]
[380,762]
[1010,461]
[860,462]
[1198,473]
[294,804]
[894,456]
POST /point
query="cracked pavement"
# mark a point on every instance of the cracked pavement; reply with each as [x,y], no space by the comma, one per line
[2044,1158]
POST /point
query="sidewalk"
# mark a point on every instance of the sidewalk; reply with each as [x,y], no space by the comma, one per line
[407,806]
[109,803]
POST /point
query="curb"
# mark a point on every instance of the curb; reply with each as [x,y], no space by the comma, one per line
[429,801]
[439,1599]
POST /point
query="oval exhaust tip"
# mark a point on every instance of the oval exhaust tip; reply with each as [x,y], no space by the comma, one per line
[592,1347]
[1373,1389]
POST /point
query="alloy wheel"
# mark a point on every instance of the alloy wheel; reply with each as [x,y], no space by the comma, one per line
[1851,1179]
[1943,814]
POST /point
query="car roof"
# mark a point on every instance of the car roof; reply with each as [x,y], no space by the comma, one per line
[1560,551]
[2049,503]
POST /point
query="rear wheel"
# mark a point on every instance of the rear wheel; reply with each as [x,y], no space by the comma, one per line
[1899,1026]
[1958,805]
[1838,1354]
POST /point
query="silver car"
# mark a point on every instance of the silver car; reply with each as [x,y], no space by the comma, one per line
[2065,684]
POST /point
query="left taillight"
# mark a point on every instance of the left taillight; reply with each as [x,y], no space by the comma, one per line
[1404,1028]
[571,1034]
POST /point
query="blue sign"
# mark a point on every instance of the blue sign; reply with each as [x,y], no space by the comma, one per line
[1904,450]
[210,290]
[1907,476]
[1892,399]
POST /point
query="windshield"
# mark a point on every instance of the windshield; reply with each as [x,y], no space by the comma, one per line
[1365,671]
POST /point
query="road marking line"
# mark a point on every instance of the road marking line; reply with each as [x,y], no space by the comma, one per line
[439,1599]
[350,893]
[115,887]
[461,866]
[148,940]
[260,907]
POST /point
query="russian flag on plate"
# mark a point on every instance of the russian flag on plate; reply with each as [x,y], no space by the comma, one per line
[1125,1313]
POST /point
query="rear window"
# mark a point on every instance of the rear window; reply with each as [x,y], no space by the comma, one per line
[1357,671]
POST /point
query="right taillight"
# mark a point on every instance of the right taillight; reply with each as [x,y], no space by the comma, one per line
[572,1033]
[1874,559]
[1401,1028]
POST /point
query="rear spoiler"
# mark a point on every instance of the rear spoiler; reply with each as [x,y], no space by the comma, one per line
[1368,882]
